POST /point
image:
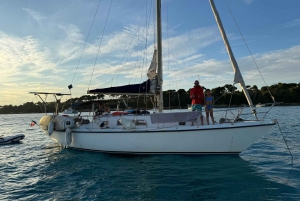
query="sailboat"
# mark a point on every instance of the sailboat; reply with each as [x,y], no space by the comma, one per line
[159,132]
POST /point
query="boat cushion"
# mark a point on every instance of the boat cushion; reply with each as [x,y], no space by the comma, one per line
[174,117]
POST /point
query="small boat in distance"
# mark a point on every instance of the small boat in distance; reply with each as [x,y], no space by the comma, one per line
[262,105]
[267,104]
[11,139]
[70,110]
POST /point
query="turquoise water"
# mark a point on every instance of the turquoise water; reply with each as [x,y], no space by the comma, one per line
[39,169]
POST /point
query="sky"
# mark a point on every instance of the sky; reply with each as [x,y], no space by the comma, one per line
[47,45]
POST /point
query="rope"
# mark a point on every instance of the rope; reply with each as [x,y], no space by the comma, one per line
[86,42]
[100,44]
[220,97]
[250,52]
[63,106]
[285,142]
[232,90]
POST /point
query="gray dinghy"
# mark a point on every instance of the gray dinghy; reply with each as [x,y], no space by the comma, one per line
[11,139]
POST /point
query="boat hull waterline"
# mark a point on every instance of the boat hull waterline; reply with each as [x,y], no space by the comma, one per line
[215,139]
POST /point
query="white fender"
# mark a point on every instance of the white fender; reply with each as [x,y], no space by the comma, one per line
[68,136]
[50,127]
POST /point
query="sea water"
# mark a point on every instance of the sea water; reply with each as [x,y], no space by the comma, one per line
[39,169]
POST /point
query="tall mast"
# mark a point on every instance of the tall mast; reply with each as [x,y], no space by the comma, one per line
[238,76]
[159,57]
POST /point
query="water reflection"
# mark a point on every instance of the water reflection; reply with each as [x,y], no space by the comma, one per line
[39,169]
[92,175]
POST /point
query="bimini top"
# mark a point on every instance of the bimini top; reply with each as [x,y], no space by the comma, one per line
[132,89]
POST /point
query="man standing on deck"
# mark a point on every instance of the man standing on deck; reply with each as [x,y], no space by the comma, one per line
[196,94]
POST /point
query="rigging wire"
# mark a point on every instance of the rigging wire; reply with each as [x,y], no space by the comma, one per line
[250,52]
[130,44]
[86,41]
[220,97]
[154,27]
[261,77]
[285,142]
[115,76]
[169,83]
[146,43]
[147,27]
[136,62]
[39,104]
[173,70]
[166,7]
[100,43]
[232,91]
[139,63]
[144,59]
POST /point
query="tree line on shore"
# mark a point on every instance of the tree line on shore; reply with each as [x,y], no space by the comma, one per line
[288,93]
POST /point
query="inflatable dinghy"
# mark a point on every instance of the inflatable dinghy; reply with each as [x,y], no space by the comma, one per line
[11,139]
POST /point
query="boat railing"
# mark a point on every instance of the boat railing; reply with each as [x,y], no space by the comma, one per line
[232,117]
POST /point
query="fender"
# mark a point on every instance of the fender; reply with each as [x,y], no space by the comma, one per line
[68,138]
[50,127]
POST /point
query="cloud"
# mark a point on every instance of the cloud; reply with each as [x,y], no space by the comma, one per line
[64,41]
[23,59]
[294,23]
[183,47]
[35,15]
[191,42]
[70,47]
[279,66]
[185,64]
[275,66]
[19,56]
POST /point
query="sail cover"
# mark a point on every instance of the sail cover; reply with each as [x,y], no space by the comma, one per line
[237,76]
[132,89]
[147,87]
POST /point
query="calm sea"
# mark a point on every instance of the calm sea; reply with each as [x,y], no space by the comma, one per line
[39,169]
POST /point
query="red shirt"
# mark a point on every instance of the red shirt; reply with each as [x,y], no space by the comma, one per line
[196,94]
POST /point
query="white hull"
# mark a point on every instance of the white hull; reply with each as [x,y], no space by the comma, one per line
[207,139]
[155,133]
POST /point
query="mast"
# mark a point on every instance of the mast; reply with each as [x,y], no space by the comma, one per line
[238,76]
[159,57]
